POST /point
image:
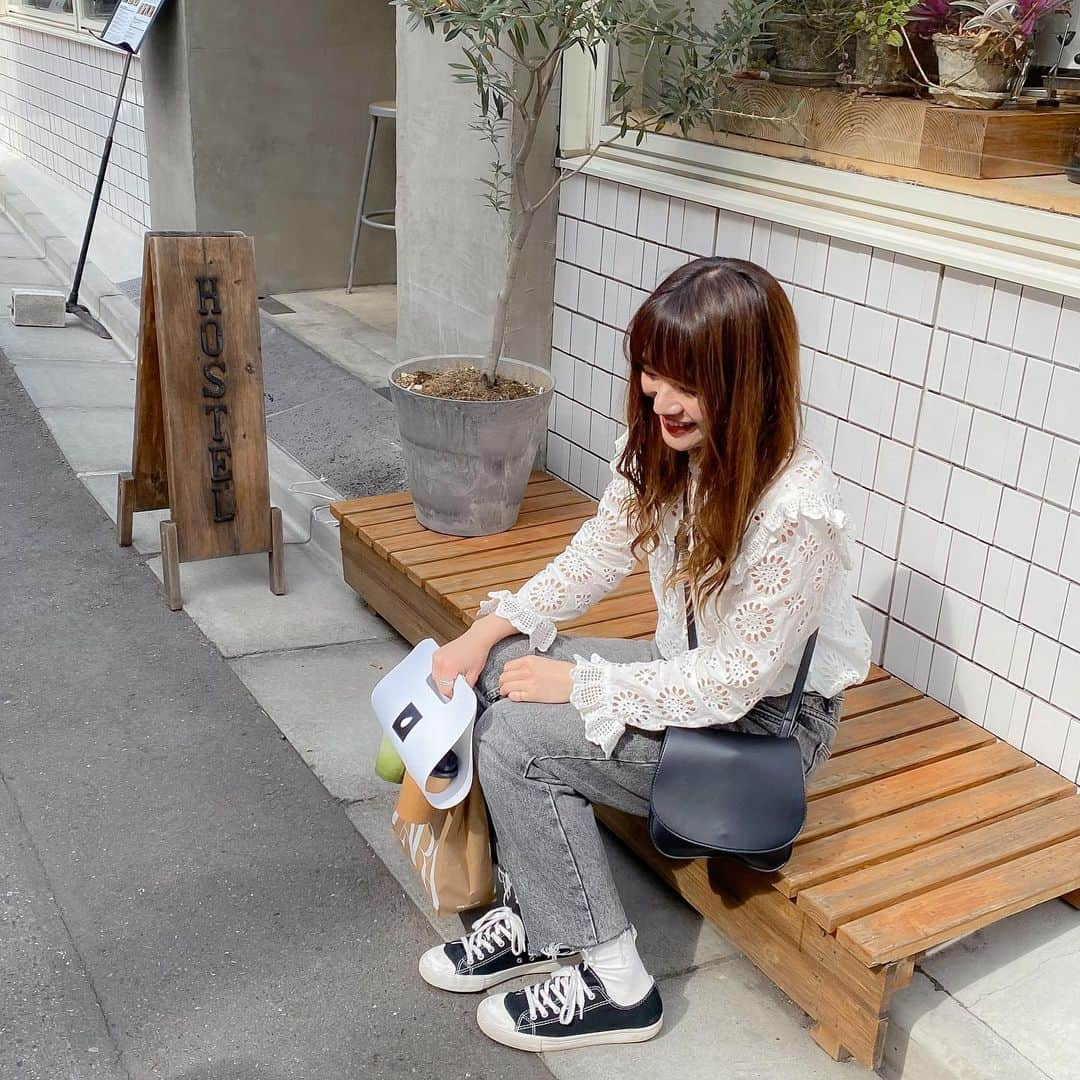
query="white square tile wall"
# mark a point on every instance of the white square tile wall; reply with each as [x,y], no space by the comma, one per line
[56,99]
[946,403]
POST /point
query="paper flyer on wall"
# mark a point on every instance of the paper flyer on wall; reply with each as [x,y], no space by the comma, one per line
[130,22]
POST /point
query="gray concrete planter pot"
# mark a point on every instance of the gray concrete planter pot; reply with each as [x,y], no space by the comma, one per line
[468,462]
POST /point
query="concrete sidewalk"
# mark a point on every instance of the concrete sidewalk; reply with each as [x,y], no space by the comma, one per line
[181,897]
[977,1009]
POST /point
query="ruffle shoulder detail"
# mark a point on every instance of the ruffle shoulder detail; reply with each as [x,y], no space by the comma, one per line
[806,489]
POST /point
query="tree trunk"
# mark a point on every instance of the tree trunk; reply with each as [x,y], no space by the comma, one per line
[542,80]
[502,303]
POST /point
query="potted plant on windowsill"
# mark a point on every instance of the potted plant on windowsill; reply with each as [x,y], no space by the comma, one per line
[809,40]
[471,425]
[981,46]
[883,60]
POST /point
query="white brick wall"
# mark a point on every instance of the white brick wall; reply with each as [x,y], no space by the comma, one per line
[56,99]
[949,406]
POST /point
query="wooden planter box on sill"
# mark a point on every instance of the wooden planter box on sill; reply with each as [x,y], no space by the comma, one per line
[975,143]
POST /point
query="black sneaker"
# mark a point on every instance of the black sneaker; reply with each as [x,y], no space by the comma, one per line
[493,953]
[570,1010]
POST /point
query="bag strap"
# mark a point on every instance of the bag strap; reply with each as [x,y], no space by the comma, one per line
[795,698]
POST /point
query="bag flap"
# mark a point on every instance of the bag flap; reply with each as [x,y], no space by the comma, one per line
[730,790]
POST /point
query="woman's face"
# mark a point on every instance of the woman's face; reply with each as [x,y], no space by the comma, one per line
[677,411]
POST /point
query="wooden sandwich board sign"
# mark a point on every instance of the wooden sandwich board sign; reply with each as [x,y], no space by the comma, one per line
[200,429]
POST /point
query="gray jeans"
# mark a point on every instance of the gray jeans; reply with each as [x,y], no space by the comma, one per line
[541,777]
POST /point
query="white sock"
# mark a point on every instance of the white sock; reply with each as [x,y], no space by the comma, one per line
[620,969]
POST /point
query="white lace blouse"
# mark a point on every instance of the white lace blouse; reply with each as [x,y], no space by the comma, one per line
[789,577]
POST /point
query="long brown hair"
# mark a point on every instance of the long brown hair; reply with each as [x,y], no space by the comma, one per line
[722,329]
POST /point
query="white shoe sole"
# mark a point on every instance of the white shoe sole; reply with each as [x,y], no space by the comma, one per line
[542,1044]
[475,984]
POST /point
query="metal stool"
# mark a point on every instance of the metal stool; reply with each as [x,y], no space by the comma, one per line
[377,218]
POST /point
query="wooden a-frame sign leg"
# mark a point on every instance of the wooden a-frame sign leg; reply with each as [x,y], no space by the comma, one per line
[200,429]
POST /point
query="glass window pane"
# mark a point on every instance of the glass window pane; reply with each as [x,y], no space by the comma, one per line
[890,88]
[60,10]
[96,11]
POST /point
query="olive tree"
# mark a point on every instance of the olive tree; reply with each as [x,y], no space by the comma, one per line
[666,70]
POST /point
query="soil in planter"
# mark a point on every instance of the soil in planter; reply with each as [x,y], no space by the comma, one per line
[465,384]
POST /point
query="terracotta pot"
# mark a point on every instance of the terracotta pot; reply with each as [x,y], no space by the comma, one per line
[960,68]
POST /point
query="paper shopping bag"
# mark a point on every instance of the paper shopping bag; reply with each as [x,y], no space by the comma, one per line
[450,850]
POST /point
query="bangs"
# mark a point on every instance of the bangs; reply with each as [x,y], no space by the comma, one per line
[670,336]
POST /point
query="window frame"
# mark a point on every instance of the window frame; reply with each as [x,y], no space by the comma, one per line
[1024,244]
[75,24]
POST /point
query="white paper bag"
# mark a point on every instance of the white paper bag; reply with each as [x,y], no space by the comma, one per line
[423,727]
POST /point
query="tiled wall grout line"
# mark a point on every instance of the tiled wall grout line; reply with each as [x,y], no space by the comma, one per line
[905,506]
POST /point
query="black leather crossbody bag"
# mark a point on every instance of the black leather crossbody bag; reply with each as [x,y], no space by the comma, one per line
[718,791]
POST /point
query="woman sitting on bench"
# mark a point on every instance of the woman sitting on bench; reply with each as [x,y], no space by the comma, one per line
[713,423]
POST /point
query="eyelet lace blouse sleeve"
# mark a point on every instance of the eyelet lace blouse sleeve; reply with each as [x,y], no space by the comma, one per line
[762,625]
[594,563]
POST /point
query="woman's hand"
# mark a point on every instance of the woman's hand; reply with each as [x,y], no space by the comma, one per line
[465,655]
[537,678]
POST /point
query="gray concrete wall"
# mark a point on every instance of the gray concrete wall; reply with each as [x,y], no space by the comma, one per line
[451,244]
[167,108]
[257,120]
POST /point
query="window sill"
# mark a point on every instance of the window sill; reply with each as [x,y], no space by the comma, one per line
[987,233]
[55,28]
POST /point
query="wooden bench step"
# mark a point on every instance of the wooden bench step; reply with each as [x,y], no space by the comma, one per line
[410,559]
[933,865]
[889,723]
[831,813]
[468,602]
[871,696]
[898,833]
[921,827]
[965,905]
[878,760]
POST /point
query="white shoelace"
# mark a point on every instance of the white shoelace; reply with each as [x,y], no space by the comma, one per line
[499,926]
[565,991]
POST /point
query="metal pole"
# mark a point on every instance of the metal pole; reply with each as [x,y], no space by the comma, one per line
[363,196]
[73,305]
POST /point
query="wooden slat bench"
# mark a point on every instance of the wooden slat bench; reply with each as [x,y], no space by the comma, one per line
[921,827]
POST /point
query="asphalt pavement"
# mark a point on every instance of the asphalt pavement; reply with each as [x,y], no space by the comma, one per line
[179,895]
